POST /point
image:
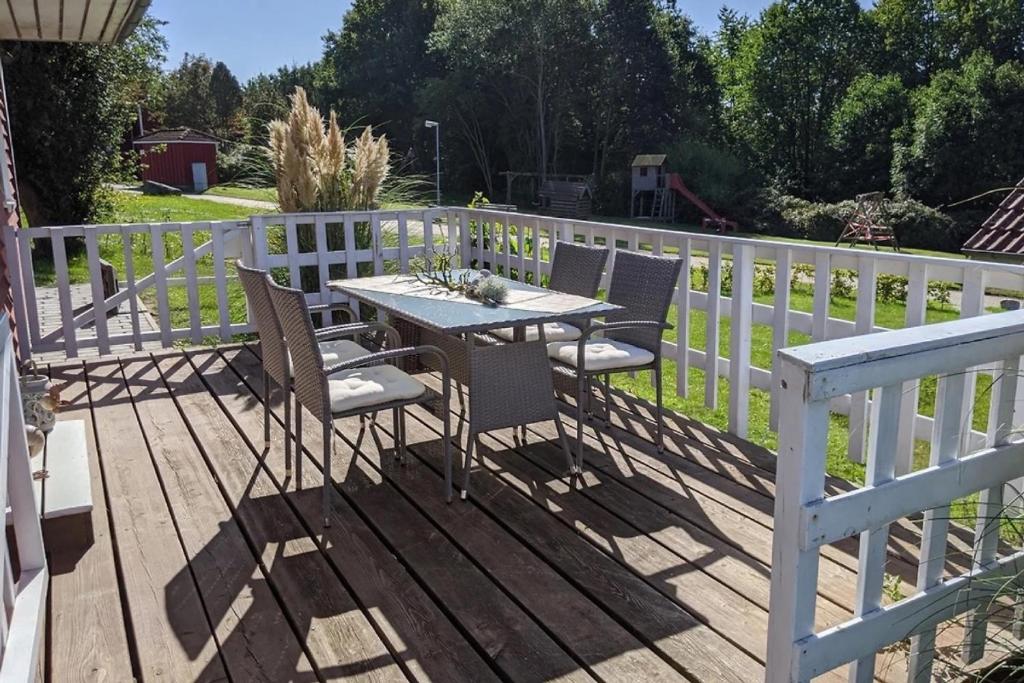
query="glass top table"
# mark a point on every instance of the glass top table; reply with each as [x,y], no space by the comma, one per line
[434,307]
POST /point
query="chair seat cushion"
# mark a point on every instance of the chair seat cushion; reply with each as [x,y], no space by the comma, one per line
[336,351]
[371,386]
[601,354]
[553,332]
[341,350]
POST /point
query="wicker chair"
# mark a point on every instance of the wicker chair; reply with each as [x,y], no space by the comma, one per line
[575,269]
[357,386]
[630,339]
[334,343]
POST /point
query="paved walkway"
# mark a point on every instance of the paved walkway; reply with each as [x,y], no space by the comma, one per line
[81,298]
[236,201]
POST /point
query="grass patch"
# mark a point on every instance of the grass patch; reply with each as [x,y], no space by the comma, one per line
[263,194]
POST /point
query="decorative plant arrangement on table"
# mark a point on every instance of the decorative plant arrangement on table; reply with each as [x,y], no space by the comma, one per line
[437,268]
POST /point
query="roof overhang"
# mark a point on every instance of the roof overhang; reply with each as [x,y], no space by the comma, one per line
[67,21]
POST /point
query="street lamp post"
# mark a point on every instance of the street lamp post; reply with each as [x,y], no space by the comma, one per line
[437,155]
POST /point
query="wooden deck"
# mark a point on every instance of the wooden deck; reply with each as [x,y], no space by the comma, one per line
[205,564]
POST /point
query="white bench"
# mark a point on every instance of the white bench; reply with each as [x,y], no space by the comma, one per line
[67,490]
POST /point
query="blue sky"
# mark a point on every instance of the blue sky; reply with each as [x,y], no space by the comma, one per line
[253,36]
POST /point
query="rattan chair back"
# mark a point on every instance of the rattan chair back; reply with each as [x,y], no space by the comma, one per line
[577,269]
[308,378]
[272,347]
[643,285]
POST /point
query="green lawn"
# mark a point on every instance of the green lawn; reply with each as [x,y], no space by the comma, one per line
[690,227]
[263,194]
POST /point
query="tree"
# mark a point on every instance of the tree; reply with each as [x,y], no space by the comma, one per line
[967,133]
[70,108]
[908,31]
[861,134]
[783,82]
[227,97]
[378,61]
[188,99]
[650,85]
[534,77]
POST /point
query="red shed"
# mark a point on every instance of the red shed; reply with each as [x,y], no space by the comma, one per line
[180,157]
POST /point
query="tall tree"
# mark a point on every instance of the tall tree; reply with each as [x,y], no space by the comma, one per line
[784,81]
[378,61]
[227,97]
[188,99]
[861,134]
[967,134]
[529,56]
[70,107]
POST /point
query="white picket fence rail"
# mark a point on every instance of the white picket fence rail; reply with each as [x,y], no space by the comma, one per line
[805,520]
[511,245]
[22,586]
[312,248]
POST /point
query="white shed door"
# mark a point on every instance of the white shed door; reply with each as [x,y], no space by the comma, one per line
[199,181]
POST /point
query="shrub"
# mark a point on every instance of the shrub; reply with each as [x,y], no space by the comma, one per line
[891,289]
[915,224]
[843,285]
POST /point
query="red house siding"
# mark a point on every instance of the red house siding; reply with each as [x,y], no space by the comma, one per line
[170,163]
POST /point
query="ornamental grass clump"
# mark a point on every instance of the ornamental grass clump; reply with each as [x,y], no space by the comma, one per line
[316,171]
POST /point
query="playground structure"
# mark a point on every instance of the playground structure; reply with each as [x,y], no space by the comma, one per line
[864,225]
[655,190]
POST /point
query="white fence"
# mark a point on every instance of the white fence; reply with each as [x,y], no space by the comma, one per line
[22,586]
[511,240]
[805,520]
[191,269]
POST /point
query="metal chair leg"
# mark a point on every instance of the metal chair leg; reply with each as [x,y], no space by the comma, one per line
[607,400]
[581,387]
[396,424]
[403,442]
[565,445]
[266,412]
[448,456]
[658,418]
[467,465]
[287,427]
[328,484]
[298,444]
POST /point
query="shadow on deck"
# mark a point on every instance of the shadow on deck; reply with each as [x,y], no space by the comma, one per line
[206,563]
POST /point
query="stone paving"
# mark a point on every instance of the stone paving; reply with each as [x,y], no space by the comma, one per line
[81,298]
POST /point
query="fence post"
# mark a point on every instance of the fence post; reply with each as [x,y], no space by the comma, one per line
[740,331]
[867,278]
[780,326]
[713,313]
[800,479]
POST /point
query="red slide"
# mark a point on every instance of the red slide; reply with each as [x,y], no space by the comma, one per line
[676,184]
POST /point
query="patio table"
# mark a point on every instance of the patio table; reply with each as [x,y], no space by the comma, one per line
[509,384]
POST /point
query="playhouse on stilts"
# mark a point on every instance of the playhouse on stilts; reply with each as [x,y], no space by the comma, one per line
[655,192]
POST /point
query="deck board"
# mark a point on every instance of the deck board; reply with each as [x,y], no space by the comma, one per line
[171,636]
[211,564]
[407,615]
[252,633]
[86,628]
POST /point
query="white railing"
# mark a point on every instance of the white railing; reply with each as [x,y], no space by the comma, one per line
[805,520]
[217,242]
[740,260]
[309,249]
[23,585]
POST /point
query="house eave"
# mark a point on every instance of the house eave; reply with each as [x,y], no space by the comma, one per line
[84,21]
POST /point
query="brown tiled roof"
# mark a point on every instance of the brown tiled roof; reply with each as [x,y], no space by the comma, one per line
[1003,231]
[174,135]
